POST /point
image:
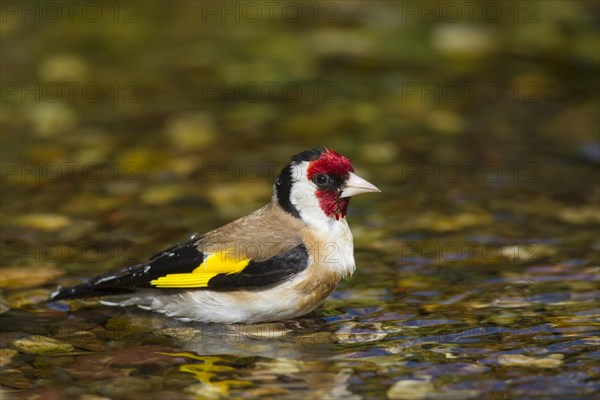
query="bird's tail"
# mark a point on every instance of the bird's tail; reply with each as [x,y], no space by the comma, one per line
[84,290]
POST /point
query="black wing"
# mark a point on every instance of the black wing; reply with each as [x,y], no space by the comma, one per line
[275,269]
[184,258]
[180,258]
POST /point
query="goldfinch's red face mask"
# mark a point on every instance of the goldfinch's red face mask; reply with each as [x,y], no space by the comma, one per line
[329,173]
[324,180]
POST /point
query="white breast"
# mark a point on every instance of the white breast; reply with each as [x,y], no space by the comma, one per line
[336,248]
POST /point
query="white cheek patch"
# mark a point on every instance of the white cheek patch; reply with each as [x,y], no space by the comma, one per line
[303,197]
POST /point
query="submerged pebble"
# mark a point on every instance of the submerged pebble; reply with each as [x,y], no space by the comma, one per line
[84,340]
[27,276]
[37,344]
[6,356]
[519,360]
[44,221]
[409,389]
[14,378]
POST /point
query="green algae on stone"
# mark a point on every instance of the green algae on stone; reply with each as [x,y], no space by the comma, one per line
[46,361]
[24,298]
[37,344]
[122,327]
[14,378]
[84,340]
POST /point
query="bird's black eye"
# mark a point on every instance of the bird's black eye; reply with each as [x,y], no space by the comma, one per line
[321,180]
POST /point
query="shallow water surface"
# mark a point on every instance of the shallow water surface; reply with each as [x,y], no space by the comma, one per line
[433,331]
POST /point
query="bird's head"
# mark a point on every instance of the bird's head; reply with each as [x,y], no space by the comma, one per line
[317,185]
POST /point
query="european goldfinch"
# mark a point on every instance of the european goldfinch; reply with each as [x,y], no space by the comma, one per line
[279,262]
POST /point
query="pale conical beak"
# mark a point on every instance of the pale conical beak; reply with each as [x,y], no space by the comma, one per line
[357,185]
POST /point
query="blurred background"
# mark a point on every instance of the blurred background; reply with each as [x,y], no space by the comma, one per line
[154,114]
[125,126]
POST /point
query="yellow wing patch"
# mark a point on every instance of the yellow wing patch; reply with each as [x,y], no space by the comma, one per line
[223,262]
